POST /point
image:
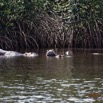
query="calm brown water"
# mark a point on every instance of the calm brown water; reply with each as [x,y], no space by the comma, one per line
[76,79]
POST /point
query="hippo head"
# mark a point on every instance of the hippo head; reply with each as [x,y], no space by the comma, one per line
[30,54]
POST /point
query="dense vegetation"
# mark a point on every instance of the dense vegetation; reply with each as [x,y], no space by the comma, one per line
[51,23]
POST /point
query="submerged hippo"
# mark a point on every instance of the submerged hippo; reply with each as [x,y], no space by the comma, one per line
[68,53]
[51,52]
[59,56]
[14,53]
[30,54]
[2,52]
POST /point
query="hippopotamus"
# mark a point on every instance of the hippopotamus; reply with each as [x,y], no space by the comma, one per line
[14,53]
[2,52]
[30,54]
[51,52]
[59,56]
[69,53]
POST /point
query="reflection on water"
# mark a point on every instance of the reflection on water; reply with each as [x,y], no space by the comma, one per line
[77,79]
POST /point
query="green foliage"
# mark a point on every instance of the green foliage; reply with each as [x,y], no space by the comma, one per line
[89,20]
[84,20]
[75,23]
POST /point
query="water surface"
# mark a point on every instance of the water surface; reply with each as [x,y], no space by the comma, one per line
[75,79]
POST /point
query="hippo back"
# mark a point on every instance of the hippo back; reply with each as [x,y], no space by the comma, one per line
[12,53]
[50,53]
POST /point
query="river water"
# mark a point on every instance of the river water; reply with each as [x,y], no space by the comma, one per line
[74,79]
